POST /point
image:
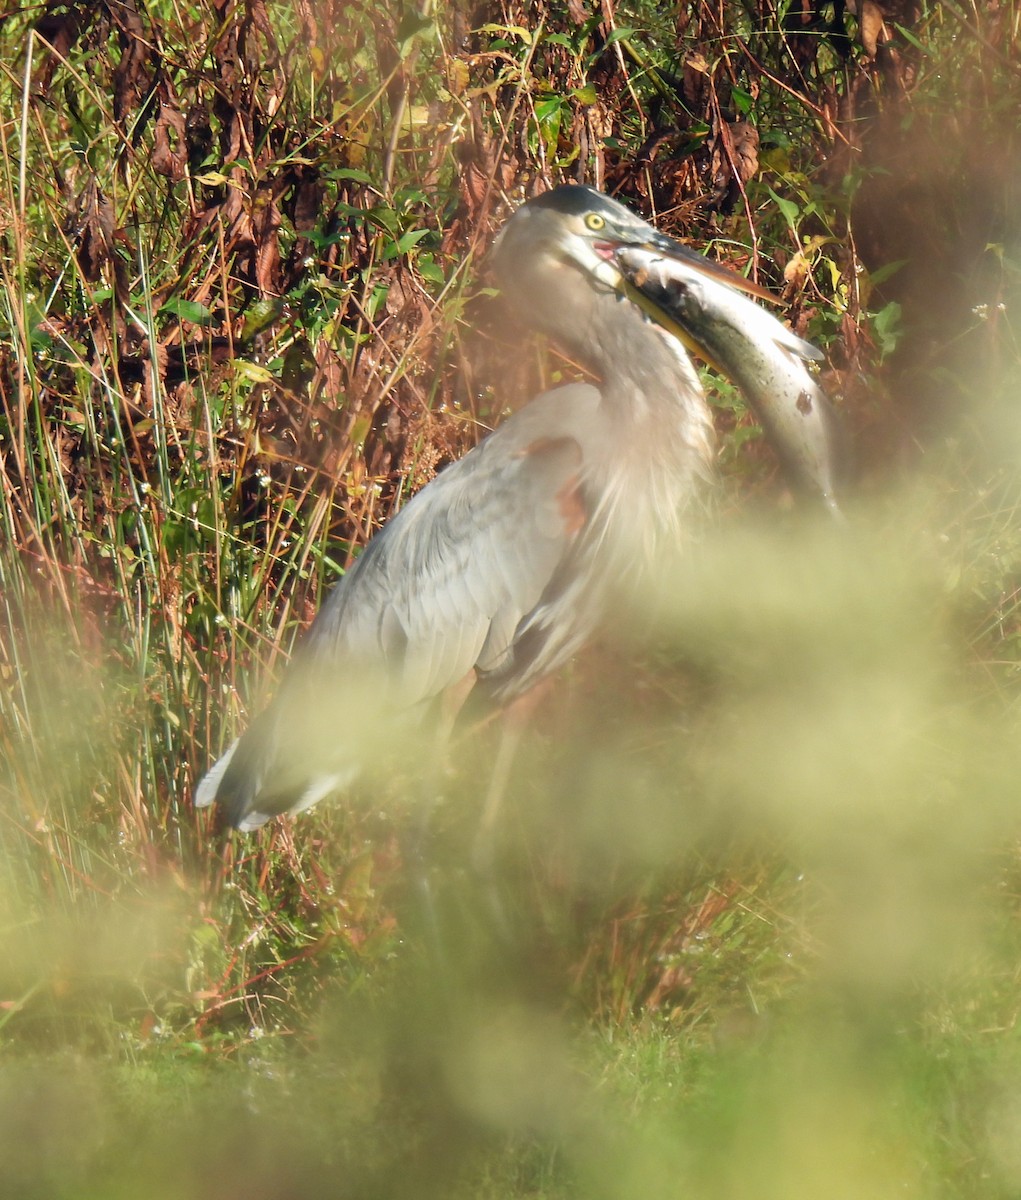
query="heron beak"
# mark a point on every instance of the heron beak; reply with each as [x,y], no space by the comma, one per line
[668,248]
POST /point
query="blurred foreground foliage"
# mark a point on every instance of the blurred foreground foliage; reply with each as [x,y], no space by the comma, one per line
[755,919]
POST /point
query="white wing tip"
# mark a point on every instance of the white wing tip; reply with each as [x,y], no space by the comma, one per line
[209,784]
[252,821]
[318,788]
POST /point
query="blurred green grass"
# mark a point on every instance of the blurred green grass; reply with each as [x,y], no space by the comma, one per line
[795,901]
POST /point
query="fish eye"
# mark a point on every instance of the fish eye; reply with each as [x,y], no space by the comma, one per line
[595,222]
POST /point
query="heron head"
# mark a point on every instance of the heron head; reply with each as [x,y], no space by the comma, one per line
[554,260]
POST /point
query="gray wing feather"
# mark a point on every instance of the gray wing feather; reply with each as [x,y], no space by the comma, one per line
[444,588]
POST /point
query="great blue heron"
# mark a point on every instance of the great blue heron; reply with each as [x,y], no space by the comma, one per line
[500,568]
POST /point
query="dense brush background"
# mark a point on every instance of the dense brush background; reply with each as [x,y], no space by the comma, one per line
[754,929]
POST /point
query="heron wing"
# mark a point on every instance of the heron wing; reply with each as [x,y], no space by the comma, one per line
[445,585]
[443,589]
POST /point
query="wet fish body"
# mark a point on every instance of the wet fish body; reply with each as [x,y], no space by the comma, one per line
[762,356]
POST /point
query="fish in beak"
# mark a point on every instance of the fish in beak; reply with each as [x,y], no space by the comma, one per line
[710,309]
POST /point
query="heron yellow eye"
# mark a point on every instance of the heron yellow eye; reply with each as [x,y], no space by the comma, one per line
[595,222]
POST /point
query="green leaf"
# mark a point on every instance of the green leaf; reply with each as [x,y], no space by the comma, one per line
[411,238]
[430,269]
[252,371]
[360,430]
[406,242]
[186,310]
[545,110]
[835,272]
[778,139]
[260,314]
[411,26]
[385,217]
[908,36]
[321,240]
[882,274]
[743,100]
[517,30]
[886,327]
[788,208]
[351,173]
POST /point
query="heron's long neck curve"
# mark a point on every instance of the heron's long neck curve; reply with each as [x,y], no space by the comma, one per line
[654,402]
[647,377]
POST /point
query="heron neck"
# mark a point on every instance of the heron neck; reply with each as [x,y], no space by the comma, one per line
[664,441]
[649,382]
